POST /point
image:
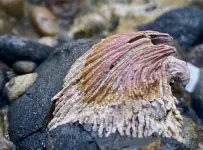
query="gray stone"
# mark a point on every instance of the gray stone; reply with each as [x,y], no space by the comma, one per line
[196,56]
[24,67]
[18,85]
[14,48]
[184,24]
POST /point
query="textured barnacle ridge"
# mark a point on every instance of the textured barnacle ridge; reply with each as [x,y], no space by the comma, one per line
[122,85]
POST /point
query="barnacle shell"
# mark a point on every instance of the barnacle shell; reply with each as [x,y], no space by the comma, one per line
[122,84]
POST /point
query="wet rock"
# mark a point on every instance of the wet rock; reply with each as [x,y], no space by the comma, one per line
[184,24]
[18,85]
[13,7]
[27,114]
[49,41]
[14,48]
[66,137]
[44,21]
[23,67]
[196,56]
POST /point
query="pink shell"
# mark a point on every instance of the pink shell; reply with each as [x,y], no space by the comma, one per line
[122,85]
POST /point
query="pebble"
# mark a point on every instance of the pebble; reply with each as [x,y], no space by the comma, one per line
[18,85]
[13,7]
[23,67]
[44,21]
[13,48]
[49,41]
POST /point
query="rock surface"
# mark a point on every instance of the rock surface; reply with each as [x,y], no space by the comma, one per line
[66,137]
[24,67]
[18,85]
[44,21]
[184,24]
[28,130]
[14,48]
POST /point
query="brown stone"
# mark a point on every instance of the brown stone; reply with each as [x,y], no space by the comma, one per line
[44,21]
[13,7]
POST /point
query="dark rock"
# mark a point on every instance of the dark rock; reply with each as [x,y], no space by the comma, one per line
[71,137]
[14,48]
[74,137]
[27,114]
[34,141]
[3,81]
[184,24]
[23,67]
[172,144]
[196,56]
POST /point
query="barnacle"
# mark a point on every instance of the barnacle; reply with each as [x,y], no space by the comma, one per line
[122,85]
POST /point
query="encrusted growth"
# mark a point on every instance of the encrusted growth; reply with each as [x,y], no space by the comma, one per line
[122,84]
